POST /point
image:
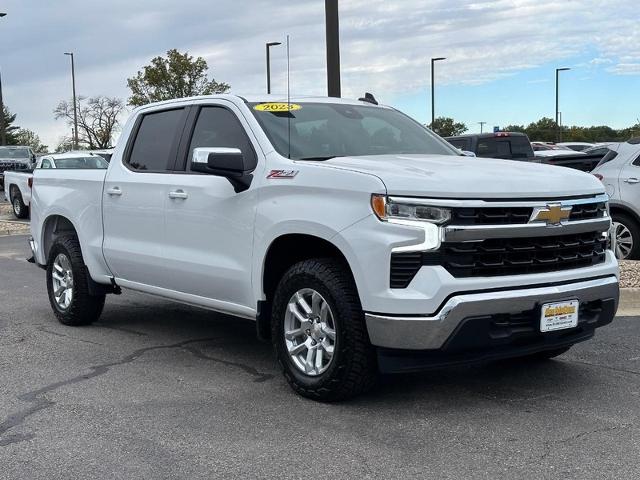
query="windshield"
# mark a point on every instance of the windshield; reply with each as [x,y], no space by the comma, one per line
[81,162]
[18,153]
[325,130]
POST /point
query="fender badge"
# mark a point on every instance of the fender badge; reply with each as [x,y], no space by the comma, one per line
[282,173]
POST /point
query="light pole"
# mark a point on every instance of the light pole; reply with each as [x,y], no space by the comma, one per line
[75,109]
[558,132]
[332,27]
[433,90]
[268,46]
[481,125]
[3,130]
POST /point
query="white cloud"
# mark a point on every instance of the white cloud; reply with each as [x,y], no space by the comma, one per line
[386,45]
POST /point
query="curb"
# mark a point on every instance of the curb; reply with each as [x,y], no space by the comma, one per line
[629,305]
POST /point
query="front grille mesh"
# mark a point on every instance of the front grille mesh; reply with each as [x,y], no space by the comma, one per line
[518,215]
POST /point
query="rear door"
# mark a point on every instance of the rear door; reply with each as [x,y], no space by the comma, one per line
[629,182]
[134,197]
[209,226]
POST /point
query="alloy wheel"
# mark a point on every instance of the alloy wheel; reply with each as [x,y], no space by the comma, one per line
[62,276]
[624,240]
[309,332]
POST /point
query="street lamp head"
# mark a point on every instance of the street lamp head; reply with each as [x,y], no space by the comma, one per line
[562,69]
[2,14]
[438,59]
[273,44]
[68,53]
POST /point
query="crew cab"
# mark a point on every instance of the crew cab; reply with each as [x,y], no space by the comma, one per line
[358,241]
[17,184]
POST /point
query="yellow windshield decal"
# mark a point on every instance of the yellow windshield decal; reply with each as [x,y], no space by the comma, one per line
[277,107]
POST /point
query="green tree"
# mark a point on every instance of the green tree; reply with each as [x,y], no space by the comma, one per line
[447,127]
[544,130]
[98,119]
[24,136]
[10,128]
[515,128]
[175,76]
[65,144]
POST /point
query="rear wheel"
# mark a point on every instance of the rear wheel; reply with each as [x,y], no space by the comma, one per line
[627,237]
[319,332]
[20,210]
[68,284]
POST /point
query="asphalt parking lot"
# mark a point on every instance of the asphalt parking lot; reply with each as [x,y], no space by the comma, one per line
[159,390]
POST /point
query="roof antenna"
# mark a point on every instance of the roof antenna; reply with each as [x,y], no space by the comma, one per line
[369,98]
[288,100]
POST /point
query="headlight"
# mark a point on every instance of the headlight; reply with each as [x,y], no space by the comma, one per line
[387,209]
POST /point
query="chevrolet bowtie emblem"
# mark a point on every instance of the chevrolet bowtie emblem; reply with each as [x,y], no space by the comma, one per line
[552,214]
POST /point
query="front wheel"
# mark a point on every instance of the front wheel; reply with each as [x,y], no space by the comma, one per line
[319,332]
[68,284]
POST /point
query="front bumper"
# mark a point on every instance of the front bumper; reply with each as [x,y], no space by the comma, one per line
[476,321]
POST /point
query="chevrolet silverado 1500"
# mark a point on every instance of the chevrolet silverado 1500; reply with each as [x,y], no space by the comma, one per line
[356,239]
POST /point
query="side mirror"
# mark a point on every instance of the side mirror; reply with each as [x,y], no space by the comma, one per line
[223,162]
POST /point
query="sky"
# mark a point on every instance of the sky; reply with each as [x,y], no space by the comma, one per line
[500,66]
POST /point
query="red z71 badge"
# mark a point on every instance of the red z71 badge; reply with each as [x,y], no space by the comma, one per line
[282,173]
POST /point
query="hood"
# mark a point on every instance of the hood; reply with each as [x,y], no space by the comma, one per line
[447,176]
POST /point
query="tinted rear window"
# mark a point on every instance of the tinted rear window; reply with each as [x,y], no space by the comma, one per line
[153,149]
[461,143]
[504,147]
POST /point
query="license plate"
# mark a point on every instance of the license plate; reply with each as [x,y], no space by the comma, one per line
[559,316]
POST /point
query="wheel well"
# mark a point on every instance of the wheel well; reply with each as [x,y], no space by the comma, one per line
[284,252]
[613,209]
[55,226]
[12,191]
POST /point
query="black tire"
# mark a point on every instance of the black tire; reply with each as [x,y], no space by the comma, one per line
[634,228]
[353,368]
[84,308]
[20,210]
[547,354]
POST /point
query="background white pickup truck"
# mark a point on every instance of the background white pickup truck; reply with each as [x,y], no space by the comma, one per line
[17,185]
[358,240]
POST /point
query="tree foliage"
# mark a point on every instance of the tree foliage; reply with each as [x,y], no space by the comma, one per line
[447,127]
[98,119]
[24,136]
[177,75]
[10,128]
[545,130]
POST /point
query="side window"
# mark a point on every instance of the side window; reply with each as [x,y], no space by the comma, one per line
[46,164]
[218,127]
[460,143]
[636,162]
[153,148]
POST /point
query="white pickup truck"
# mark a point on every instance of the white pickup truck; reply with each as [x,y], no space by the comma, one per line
[357,240]
[17,185]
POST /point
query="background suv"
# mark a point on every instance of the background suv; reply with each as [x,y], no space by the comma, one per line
[619,170]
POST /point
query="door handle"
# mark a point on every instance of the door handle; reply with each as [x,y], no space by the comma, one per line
[114,191]
[178,194]
[632,180]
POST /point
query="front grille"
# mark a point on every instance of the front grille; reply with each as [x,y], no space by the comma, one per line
[518,256]
[4,166]
[518,215]
[404,267]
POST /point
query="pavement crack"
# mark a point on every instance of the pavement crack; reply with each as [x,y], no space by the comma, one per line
[38,401]
[121,329]
[43,328]
[606,367]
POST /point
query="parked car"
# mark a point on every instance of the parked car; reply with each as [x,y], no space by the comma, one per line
[506,145]
[355,238]
[600,149]
[619,170]
[576,146]
[544,149]
[17,184]
[16,158]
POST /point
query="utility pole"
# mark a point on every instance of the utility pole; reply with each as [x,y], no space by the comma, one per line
[3,127]
[558,133]
[481,125]
[433,89]
[75,108]
[268,46]
[333,47]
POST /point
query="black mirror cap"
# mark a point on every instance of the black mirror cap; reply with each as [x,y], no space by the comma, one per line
[230,165]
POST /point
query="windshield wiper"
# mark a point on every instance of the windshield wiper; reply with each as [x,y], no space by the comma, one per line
[317,158]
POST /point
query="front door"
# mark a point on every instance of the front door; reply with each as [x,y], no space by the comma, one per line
[209,226]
